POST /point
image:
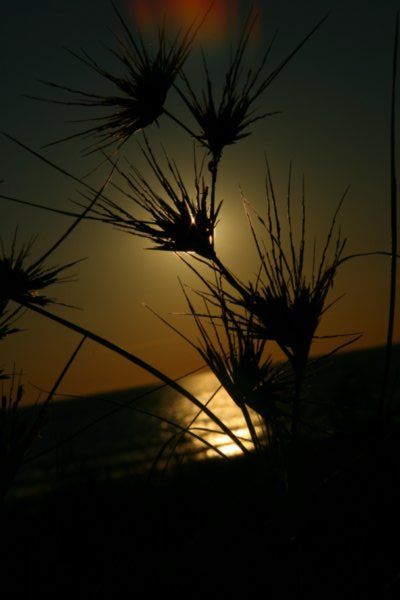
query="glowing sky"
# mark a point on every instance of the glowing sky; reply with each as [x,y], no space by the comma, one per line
[222,18]
[334,100]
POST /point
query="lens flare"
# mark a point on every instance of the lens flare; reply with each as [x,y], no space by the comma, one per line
[224,18]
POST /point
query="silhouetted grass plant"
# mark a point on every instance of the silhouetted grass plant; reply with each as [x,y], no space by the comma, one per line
[285,309]
[384,405]
[239,320]
[174,219]
[141,89]
[239,361]
[22,281]
[226,121]
[287,303]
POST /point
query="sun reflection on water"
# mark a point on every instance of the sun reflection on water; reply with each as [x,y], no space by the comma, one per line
[203,387]
[130,443]
[225,444]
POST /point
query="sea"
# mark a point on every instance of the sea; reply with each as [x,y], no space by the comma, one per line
[150,431]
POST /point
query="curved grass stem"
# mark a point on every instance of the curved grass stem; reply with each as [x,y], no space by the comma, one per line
[140,363]
[393,223]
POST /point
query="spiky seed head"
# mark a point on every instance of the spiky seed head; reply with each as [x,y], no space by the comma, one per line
[237,357]
[287,303]
[225,122]
[185,227]
[140,90]
[175,219]
[24,283]
[289,321]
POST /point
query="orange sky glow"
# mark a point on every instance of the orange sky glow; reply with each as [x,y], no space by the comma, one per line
[222,19]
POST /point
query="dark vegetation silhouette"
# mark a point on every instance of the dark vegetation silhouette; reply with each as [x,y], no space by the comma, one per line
[287,458]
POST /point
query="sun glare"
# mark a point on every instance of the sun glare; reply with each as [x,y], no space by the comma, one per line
[222,20]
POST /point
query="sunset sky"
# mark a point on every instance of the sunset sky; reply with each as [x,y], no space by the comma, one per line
[334,126]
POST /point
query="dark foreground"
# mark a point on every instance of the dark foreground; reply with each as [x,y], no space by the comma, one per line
[216,530]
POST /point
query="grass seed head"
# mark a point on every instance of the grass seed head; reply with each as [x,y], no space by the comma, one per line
[288,304]
[237,357]
[290,317]
[174,219]
[140,90]
[226,122]
[23,283]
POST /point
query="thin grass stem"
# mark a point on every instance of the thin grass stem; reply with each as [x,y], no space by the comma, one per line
[140,363]
[393,225]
